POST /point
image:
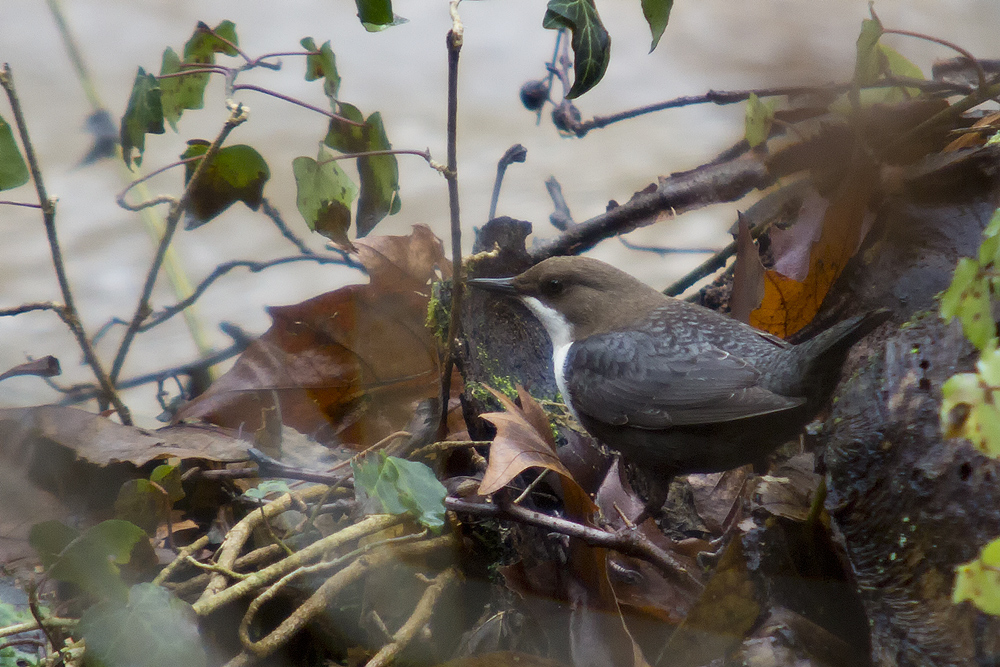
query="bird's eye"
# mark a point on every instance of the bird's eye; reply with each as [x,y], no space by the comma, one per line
[552,287]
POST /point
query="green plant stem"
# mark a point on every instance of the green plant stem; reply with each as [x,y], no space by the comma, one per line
[236,117]
[68,311]
[454,40]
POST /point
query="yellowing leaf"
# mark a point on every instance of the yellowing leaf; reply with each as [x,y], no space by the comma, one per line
[978,581]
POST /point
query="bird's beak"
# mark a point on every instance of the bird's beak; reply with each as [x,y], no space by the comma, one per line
[501,285]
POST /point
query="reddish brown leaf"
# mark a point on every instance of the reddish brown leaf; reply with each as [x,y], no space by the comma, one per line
[524,440]
[788,304]
[347,365]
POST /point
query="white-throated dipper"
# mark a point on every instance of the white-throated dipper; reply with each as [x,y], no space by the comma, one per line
[675,387]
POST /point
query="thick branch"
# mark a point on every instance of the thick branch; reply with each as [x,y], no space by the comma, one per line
[709,184]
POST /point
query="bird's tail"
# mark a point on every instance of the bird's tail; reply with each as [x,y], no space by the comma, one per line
[821,356]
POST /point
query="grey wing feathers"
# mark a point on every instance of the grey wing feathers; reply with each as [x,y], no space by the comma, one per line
[654,383]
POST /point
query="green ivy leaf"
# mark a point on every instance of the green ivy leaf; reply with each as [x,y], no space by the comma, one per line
[868,63]
[377,15]
[399,486]
[379,175]
[968,298]
[345,137]
[206,42]
[759,116]
[180,92]
[237,173]
[591,42]
[168,477]
[13,171]
[993,228]
[324,196]
[152,629]
[267,487]
[978,581]
[657,13]
[142,503]
[321,63]
[89,560]
[144,115]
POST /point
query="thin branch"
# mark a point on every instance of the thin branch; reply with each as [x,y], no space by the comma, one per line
[280,96]
[561,218]
[425,154]
[19,203]
[275,215]
[722,97]
[68,311]
[237,116]
[282,54]
[162,199]
[196,69]
[980,72]
[628,542]
[223,269]
[516,153]
[665,250]
[74,395]
[454,41]
[59,309]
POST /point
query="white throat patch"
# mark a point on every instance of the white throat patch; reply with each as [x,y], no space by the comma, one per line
[561,333]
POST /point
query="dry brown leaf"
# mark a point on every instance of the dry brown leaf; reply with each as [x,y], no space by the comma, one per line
[973,139]
[349,365]
[100,441]
[523,441]
[788,304]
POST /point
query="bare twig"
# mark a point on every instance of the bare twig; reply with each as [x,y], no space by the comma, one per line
[516,153]
[237,116]
[980,72]
[59,309]
[723,97]
[275,215]
[454,41]
[162,199]
[5,202]
[561,218]
[665,250]
[630,543]
[223,269]
[292,100]
[68,311]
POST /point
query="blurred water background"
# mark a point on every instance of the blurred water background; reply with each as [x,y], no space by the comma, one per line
[709,44]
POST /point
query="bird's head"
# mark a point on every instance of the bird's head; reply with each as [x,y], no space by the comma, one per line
[575,297]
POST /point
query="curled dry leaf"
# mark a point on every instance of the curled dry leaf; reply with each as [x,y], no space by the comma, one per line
[523,440]
[349,365]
